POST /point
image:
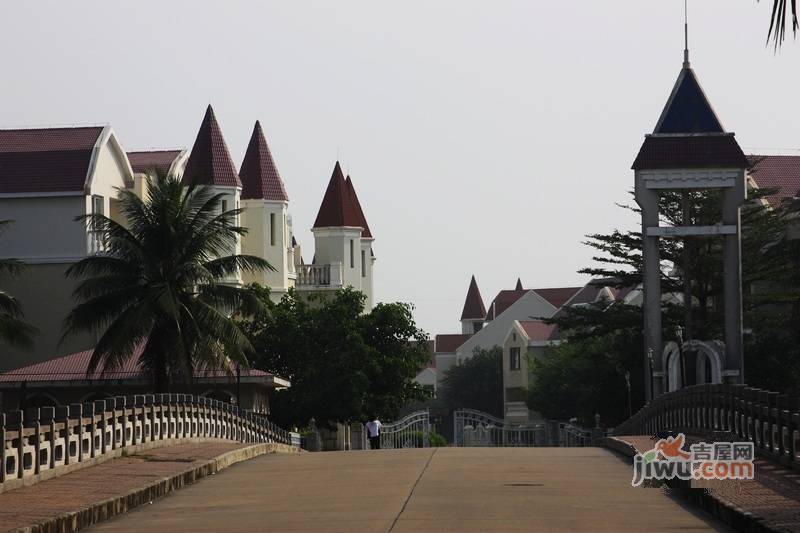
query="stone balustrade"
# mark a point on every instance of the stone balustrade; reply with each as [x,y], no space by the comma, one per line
[38,440]
[319,275]
[733,412]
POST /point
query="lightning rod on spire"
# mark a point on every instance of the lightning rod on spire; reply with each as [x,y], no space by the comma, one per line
[686,63]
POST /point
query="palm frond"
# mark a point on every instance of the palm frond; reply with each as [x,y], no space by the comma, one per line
[778,20]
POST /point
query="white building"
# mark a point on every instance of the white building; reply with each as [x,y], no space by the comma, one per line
[51,176]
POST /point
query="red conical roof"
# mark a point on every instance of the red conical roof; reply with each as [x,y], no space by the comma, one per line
[519,285]
[360,212]
[473,305]
[337,207]
[260,177]
[210,162]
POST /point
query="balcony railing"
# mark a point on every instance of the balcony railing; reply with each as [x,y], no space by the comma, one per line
[319,275]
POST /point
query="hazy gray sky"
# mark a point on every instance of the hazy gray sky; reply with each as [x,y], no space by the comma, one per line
[483,138]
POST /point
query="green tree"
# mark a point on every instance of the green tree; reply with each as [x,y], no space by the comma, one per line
[477,383]
[161,283]
[608,337]
[345,365]
[13,328]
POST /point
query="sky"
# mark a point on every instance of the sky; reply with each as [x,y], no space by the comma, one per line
[483,138]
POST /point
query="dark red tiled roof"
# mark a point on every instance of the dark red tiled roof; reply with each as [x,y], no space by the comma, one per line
[210,161]
[539,331]
[46,159]
[337,208]
[157,160]
[693,151]
[73,367]
[558,296]
[503,301]
[473,305]
[449,343]
[357,205]
[781,172]
[259,175]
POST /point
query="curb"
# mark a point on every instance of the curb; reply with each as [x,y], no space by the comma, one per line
[728,513]
[107,509]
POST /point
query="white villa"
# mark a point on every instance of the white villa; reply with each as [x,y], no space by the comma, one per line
[50,176]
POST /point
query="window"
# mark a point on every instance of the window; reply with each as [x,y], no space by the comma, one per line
[352,256]
[97,205]
[224,205]
[514,359]
[477,326]
[363,264]
[272,229]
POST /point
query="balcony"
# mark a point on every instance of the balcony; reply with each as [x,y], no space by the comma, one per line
[319,276]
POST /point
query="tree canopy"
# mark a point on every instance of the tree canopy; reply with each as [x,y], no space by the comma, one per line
[14,330]
[163,283]
[476,383]
[604,341]
[345,364]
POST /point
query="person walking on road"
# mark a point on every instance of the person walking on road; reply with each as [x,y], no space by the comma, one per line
[374,433]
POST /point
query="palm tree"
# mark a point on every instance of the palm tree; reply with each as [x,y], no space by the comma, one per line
[777,24]
[13,328]
[160,287]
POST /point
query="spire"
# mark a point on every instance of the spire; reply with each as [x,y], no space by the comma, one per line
[473,305]
[686,63]
[337,209]
[688,109]
[210,162]
[259,175]
[519,285]
[357,205]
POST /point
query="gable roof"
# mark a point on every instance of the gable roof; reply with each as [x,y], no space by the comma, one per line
[781,172]
[473,305]
[259,175]
[73,367]
[449,343]
[503,301]
[210,161]
[158,160]
[337,208]
[357,205]
[557,296]
[688,109]
[539,331]
[43,160]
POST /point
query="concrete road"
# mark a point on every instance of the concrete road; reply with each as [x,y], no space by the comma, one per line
[445,489]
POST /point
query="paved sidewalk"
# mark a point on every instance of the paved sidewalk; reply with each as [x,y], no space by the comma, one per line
[445,489]
[773,497]
[80,489]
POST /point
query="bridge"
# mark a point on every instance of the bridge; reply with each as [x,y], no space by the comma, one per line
[102,464]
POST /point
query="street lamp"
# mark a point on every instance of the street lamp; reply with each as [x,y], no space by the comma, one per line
[652,364]
[628,384]
[679,336]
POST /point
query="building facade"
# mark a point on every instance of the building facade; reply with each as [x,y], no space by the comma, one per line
[50,177]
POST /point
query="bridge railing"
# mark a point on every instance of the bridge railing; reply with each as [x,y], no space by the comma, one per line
[768,419]
[571,435]
[38,440]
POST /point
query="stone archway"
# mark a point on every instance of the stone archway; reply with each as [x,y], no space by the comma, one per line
[672,366]
[708,353]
